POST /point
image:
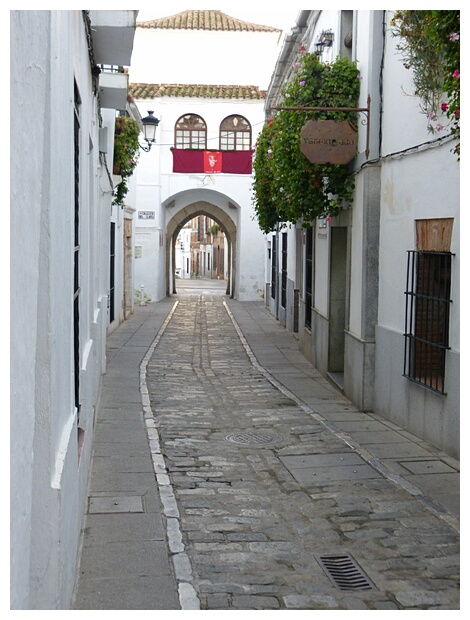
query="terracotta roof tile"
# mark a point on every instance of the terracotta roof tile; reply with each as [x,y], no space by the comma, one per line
[204,20]
[203,91]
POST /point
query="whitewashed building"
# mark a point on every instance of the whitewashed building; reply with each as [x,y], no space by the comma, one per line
[343,284]
[63,104]
[208,100]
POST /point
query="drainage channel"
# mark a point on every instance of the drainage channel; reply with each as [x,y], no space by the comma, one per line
[345,572]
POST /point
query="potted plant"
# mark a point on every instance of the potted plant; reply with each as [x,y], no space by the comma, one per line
[126,153]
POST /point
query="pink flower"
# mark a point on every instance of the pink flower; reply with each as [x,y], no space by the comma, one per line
[439,127]
[444,107]
[302,82]
[302,48]
[456,74]
[328,219]
[454,36]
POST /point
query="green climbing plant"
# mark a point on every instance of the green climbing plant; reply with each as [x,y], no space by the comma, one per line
[287,187]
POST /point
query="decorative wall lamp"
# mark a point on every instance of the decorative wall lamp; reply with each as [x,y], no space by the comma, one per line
[150,124]
[318,47]
[325,39]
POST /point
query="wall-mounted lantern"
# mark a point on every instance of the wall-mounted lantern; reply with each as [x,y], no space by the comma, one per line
[318,47]
[150,124]
[325,39]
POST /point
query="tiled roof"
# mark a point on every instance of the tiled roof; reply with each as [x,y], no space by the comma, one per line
[204,20]
[206,91]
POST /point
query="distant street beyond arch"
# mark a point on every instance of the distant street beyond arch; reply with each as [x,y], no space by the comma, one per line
[205,287]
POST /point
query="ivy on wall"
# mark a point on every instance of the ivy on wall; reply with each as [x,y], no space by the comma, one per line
[430,46]
[287,187]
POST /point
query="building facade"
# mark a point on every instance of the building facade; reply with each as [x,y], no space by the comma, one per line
[205,115]
[352,285]
[61,220]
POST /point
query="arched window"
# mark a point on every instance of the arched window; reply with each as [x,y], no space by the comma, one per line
[235,134]
[190,132]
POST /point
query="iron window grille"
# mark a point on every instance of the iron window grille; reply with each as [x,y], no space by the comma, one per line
[112,270]
[273,267]
[76,253]
[308,276]
[427,308]
[284,271]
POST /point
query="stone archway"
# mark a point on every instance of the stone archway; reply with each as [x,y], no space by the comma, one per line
[227,224]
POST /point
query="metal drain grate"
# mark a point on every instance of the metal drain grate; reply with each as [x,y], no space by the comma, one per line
[254,438]
[345,573]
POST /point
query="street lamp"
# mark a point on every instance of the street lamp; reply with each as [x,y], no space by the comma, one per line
[150,124]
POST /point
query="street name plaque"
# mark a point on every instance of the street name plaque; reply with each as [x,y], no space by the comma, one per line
[328,142]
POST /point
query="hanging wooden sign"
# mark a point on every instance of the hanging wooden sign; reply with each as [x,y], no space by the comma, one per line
[328,142]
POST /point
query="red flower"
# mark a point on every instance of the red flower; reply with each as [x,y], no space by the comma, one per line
[444,107]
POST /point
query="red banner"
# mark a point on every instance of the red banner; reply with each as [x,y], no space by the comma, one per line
[212,162]
[230,162]
[237,162]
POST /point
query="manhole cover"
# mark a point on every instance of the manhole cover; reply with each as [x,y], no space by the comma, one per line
[254,438]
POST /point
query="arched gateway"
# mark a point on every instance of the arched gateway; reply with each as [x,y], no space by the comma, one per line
[179,211]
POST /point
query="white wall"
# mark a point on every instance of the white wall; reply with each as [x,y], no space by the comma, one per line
[422,184]
[419,180]
[48,482]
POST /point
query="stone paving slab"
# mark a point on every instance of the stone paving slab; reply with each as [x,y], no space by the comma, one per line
[151,592]
[116,503]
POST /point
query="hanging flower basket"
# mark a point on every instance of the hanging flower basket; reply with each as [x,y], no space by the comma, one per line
[126,153]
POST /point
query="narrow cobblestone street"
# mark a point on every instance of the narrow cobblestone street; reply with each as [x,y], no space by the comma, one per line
[272,509]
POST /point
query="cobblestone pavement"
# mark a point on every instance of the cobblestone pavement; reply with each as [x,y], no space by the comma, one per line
[269,509]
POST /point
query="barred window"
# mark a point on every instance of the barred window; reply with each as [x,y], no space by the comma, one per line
[235,134]
[427,317]
[308,276]
[273,267]
[190,132]
[284,271]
